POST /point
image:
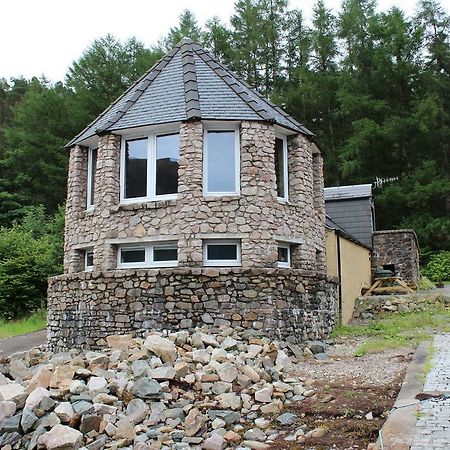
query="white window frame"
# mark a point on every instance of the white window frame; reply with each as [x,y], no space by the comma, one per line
[237,159]
[149,257]
[90,201]
[86,267]
[285,168]
[221,262]
[282,264]
[151,168]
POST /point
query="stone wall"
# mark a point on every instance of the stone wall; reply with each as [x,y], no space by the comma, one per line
[376,306]
[84,308]
[400,248]
[255,216]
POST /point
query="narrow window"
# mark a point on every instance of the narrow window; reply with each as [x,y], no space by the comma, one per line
[132,256]
[136,155]
[284,255]
[165,253]
[222,253]
[88,260]
[148,255]
[167,159]
[221,162]
[281,167]
[92,168]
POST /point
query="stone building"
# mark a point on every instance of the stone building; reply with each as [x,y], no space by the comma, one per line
[192,200]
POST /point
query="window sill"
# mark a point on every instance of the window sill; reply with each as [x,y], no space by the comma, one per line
[147,266]
[148,204]
[221,198]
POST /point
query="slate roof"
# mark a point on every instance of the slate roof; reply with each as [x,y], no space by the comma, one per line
[330,223]
[348,192]
[187,83]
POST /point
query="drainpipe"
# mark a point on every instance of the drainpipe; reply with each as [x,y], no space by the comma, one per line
[338,245]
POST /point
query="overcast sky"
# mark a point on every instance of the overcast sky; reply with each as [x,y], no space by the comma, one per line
[45,36]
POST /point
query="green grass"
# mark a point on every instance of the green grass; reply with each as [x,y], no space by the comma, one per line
[37,321]
[397,330]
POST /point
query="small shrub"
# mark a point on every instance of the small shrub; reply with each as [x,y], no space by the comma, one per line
[438,268]
[426,283]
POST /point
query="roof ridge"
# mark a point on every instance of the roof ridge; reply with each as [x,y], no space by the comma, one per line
[159,65]
[191,96]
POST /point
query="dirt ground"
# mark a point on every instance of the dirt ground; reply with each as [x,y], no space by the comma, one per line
[354,396]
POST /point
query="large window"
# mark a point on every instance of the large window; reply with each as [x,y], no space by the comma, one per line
[147,255]
[92,168]
[221,253]
[281,167]
[221,162]
[149,168]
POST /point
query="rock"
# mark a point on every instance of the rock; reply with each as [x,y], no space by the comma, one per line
[316,346]
[254,434]
[230,400]
[181,369]
[194,422]
[41,378]
[262,423]
[11,391]
[139,367]
[125,429]
[283,361]
[107,399]
[90,422]
[272,408]
[287,418]
[218,423]
[309,393]
[201,356]
[65,412]
[228,416]
[146,388]
[251,373]
[137,410]
[10,424]
[369,416]
[7,409]
[61,437]
[317,433]
[62,377]
[96,383]
[282,387]
[255,445]
[122,342]
[321,356]
[28,420]
[264,395]
[228,343]
[162,373]
[82,407]
[162,347]
[227,372]
[214,442]
[35,397]
[232,436]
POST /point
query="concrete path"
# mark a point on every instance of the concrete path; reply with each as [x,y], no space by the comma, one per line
[433,426]
[22,343]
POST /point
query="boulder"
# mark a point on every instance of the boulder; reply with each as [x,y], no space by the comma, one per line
[162,347]
[61,437]
[7,409]
[65,412]
[11,391]
[35,397]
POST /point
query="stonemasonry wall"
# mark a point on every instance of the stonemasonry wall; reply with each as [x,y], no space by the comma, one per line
[86,307]
[255,216]
[400,248]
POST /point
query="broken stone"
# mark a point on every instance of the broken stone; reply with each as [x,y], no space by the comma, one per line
[287,419]
[146,388]
[61,437]
[194,422]
[11,391]
[264,395]
[162,347]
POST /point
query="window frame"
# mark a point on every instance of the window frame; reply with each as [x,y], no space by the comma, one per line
[283,137]
[282,264]
[90,201]
[151,168]
[222,262]
[149,255]
[237,159]
[85,258]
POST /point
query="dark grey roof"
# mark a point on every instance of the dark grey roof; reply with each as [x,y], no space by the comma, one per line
[187,83]
[330,223]
[347,192]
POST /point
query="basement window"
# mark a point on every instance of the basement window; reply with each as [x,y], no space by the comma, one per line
[149,168]
[221,253]
[89,260]
[284,256]
[147,255]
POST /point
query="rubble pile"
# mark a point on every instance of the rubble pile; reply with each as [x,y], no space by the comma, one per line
[210,389]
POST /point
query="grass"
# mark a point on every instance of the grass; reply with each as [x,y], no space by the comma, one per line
[397,330]
[35,322]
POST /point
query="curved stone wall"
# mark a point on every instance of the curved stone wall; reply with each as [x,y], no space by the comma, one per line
[255,217]
[84,308]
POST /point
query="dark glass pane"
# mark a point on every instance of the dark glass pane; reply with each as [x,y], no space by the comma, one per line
[136,168]
[89,259]
[167,159]
[135,255]
[164,254]
[279,167]
[283,254]
[221,161]
[221,251]
[93,171]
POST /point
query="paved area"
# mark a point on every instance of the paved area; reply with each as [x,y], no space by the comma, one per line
[22,343]
[433,426]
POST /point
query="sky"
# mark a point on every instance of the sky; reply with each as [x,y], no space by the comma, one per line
[44,37]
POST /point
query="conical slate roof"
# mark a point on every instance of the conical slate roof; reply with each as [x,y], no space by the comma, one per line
[188,83]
